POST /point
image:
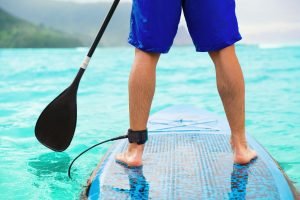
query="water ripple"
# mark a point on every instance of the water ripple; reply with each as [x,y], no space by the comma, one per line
[36,76]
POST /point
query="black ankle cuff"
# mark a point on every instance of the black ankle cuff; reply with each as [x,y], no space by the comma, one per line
[139,137]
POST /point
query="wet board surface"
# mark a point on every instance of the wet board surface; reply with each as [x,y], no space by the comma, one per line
[188,156]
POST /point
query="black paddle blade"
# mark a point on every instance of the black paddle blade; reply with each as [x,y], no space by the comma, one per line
[56,125]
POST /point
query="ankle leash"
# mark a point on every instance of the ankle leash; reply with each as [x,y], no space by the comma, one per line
[139,137]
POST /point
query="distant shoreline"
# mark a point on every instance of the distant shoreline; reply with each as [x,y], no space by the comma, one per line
[261,46]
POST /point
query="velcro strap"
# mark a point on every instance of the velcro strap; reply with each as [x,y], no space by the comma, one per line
[139,137]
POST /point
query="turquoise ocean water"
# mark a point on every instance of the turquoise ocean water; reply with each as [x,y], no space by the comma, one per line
[31,78]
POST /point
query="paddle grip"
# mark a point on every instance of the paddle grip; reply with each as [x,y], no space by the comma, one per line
[103,27]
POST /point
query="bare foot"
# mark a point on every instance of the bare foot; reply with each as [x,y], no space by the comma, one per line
[244,156]
[242,153]
[132,157]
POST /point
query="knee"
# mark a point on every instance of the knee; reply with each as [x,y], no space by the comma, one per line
[143,58]
[224,55]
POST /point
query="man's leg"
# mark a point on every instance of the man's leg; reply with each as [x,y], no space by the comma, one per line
[231,87]
[141,87]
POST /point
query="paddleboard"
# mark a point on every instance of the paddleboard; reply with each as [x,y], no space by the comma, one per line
[188,156]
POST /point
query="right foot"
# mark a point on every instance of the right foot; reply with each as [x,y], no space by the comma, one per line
[244,156]
[242,153]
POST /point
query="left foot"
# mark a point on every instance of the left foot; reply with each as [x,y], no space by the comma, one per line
[132,157]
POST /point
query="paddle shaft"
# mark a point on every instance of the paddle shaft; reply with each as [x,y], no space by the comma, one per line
[99,35]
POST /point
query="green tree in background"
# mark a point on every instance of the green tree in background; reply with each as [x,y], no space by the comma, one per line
[18,33]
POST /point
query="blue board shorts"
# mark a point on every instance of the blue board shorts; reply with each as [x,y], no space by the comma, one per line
[212,24]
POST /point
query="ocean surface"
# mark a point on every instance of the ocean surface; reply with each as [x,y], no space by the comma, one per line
[31,78]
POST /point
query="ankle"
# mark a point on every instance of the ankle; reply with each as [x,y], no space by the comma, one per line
[133,147]
[238,143]
[238,138]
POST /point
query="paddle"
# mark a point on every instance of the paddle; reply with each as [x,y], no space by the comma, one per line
[56,125]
